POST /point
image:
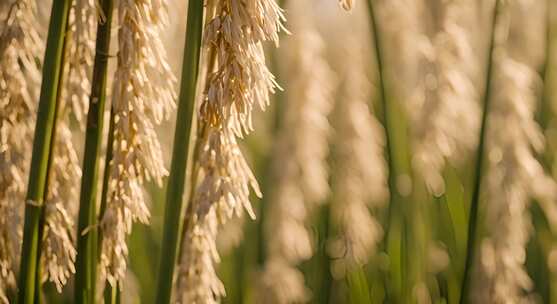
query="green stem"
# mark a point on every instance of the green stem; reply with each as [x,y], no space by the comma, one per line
[53,138]
[86,262]
[106,177]
[200,138]
[385,104]
[175,189]
[112,294]
[545,115]
[109,291]
[41,149]
[473,215]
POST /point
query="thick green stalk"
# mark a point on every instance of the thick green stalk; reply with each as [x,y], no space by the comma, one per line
[86,262]
[59,105]
[106,177]
[109,292]
[41,149]
[473,215]
[175,189]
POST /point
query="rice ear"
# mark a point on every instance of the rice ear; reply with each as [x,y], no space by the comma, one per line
[237,81]
[515,177]
[21,45]
[143,96]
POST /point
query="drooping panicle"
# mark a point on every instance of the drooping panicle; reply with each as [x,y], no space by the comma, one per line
[237,79]
[359,178]
[197,263]
[20,49]
[447,100]
[58,244]
[515,177]
[62,198]
[222,193]
[358,165]
[241,79]
[403,36]
[300,154]
[81,50]
[143,96]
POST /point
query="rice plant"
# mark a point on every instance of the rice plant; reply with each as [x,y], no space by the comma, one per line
[278,151]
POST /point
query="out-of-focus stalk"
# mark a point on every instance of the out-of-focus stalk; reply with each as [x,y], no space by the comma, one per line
[473,214]
[545,116]
[41,149]
[175,188]
[266,180]
[385,107]
[301,149]
[393,224]
[86,264]
[385,113]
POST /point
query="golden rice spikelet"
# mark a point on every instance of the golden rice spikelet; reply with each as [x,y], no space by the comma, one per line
[58,244]
[197,281]
[143,96]
[20,48]
[81,50]
[237,80]
[241,79]
[222,192]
